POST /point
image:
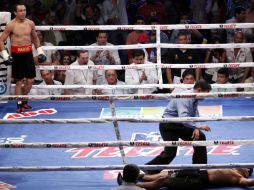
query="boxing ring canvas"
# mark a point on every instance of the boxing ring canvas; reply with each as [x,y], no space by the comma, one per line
[93,132]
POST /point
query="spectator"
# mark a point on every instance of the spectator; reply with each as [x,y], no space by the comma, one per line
[173,10]
[85,17]
[188,77]
[194,36]
[69,15]
[152,8]
[80,77]
[97,14]
[141,76]
[152,53]
[198,11]
[143,39]
[53,36]
[51,55]
[181,56]
[83,13]
[65,12]
[62,52]
[250,80]
[134,36]
[38,13]
[114,12]
[222,78]
[249,18]
[47,77]
[250,12]
[132,9]
[232,4]
[103,57]
[217,13]
[214,56]
[239,17]
[59,75]
[111,79]
[238,55]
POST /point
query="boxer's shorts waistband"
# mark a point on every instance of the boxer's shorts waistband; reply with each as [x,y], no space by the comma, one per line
[21,49]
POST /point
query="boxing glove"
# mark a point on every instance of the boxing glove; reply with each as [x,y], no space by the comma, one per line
[7,58]
[41,55]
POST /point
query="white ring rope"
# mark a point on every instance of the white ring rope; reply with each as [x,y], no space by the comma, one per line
[127,96]
[111,87]
[145,27]
[141,46]
[158,52]
[125,119]
[108,47]
[120,167]
[127,144]
[141,66]
[204,46]
[117,130]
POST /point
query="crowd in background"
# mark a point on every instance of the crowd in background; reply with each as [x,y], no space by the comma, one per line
[139,12]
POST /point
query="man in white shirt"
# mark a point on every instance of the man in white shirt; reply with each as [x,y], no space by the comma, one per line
[80,77]
[238,55]
[141,76]
[111,79]
[239,17]
[188,77]
[250,80]
[222,78]
[50,54]
[103,57]
[47,77]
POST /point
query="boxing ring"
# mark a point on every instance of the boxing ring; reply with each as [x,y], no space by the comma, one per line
[93,132]
[79,142]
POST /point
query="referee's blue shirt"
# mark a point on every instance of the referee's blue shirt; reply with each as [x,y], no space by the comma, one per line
[182,107]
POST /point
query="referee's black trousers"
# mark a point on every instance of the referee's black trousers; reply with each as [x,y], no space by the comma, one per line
[172,132]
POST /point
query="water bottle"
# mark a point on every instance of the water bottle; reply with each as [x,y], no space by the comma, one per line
[152,56]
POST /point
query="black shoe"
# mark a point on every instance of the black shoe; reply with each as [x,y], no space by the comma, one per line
[26,106]
[119,178]
[20,108]
[250,170]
